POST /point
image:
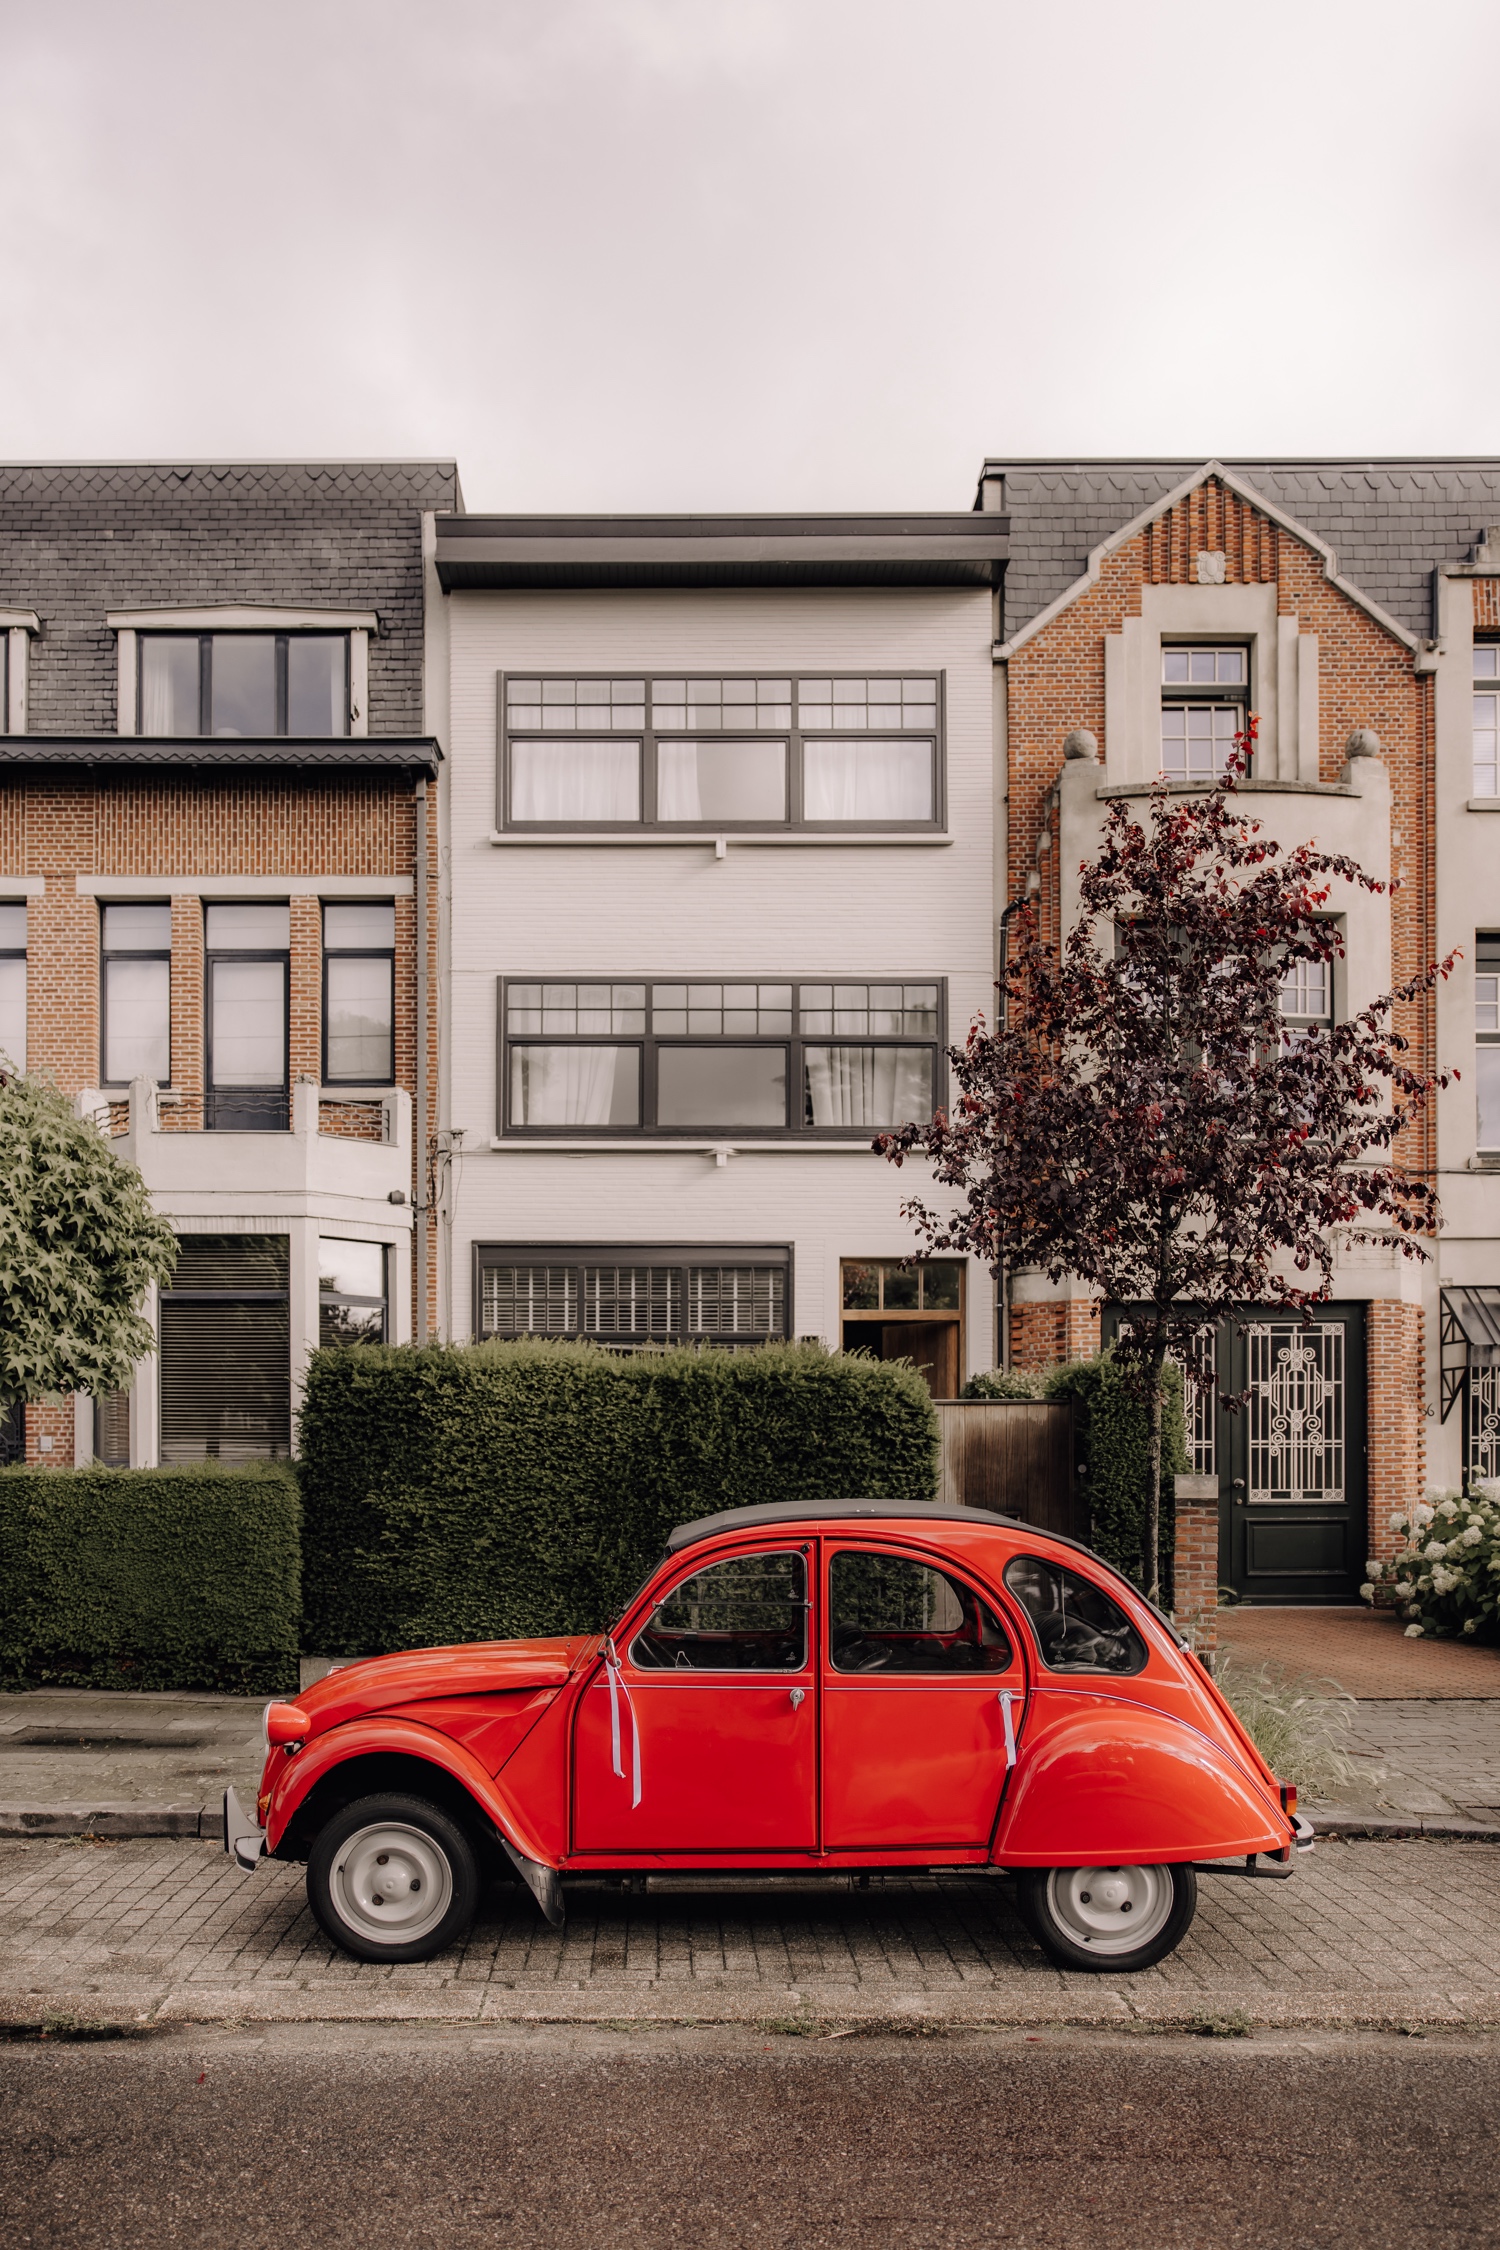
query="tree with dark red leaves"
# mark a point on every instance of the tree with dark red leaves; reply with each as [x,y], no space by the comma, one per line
[1146,1121]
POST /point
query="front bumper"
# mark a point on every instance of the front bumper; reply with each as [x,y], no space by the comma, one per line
[1265,1867]
[243,1841]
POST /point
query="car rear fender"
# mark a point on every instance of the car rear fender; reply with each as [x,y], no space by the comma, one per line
[363,1738]
[1106,1782]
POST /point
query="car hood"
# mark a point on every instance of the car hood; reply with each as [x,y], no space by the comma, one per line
[377,1683]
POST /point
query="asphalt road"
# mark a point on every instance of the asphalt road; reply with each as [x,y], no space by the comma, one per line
[322,2135]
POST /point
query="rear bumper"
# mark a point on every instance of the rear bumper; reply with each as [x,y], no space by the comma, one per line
[243,1841]
[1265,1867]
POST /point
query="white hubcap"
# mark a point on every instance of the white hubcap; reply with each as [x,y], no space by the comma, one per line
[1110,1909]
[391,1883]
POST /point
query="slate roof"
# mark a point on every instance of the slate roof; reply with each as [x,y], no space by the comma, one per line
[1389,522]
[349,753]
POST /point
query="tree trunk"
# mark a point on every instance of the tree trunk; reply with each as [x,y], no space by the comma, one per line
[1151,1537]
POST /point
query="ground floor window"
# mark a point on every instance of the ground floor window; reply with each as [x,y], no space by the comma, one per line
[894,1310]
[625,1294]
[226,1392]
[112,1429]
[352,1292]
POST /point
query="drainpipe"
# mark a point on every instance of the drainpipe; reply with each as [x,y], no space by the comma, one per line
[419,1137]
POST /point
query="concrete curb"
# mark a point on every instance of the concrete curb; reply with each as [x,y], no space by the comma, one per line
[113,1820]
[812,2009]
[1339,1820]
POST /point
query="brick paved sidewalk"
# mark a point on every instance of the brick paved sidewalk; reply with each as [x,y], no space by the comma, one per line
[1363,1933]
[1364,1650]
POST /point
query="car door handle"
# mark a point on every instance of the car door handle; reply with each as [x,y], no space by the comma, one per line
[1006,1699]
[797,1695]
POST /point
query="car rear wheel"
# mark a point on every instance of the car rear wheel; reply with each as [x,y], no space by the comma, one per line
[1108,1919]
[392,1879]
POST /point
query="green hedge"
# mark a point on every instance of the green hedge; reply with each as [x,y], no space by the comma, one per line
[150,1578]
[1110,1437]
[457,1493]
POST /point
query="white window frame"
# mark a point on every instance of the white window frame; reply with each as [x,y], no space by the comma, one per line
[18,625]
[128,624]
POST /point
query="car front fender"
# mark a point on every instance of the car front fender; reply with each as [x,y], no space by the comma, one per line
[405,1738]
[1107,1782]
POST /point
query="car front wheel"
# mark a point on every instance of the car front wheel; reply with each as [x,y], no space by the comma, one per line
[1108,1919]
[392,1879]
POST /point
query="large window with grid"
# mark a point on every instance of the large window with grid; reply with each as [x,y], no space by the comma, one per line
[1487,718]
[816,1059]
[627,1295]
[1307,997]
[1487,1038]
[1203,694]
[836,751]
[135,1011]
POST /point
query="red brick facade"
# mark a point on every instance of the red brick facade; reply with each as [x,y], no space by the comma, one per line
[1195,1571]
[1397,1413]
[1058,1329]
[60,825]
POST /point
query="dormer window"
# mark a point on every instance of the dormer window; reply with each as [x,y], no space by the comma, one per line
[1203,692]
[244,684]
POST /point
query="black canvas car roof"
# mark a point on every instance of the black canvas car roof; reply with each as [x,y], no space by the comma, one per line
[818,1511]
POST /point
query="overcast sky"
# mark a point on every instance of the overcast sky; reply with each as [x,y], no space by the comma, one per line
[745,253]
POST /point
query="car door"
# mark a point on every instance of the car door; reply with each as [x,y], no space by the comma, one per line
[919,1677]
[713,1711]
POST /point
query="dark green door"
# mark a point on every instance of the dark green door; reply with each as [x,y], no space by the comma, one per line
[1292,1517]
[1291,1460]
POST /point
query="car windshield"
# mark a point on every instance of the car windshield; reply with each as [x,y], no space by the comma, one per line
[889,1613]
[1078,1627]
[745,1614]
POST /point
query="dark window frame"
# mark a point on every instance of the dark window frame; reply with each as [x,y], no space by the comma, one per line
[792,735]
[276,1100]
[337,1297]
[682,1256]
[354,953]
[205,639]
[129,953]
[649,1044]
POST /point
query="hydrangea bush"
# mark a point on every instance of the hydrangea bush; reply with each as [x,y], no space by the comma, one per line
[1446,1579]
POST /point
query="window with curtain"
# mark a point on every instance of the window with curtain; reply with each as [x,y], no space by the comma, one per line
[784,1058]
[1487,1038]
[246,964]
[359,987]
[136,996]
[1487,718]
[13,982]
[243,683]
[717,752]
[636,1294]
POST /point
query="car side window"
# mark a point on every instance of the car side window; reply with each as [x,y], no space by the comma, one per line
[1078,1627]
[889,1613]
[745,1614]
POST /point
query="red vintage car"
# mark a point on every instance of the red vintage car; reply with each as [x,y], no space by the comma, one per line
[827,1686]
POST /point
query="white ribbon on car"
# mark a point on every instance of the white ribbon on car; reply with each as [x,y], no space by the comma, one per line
[1006,1700]
[617,1688]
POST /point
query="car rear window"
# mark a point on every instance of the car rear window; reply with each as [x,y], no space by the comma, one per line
[1078,1627]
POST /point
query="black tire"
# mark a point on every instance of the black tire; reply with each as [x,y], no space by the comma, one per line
[415,1848]
[1071,1912]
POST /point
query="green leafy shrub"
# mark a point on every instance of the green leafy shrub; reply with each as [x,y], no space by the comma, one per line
[1004,1382]
[1112,1445]
[150,1578]
[457,1493]
[1446,1578]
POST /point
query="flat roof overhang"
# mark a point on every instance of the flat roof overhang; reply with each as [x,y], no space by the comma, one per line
[571,552]
[328,754]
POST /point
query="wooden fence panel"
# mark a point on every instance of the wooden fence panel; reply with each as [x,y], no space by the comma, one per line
[1014,1455]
